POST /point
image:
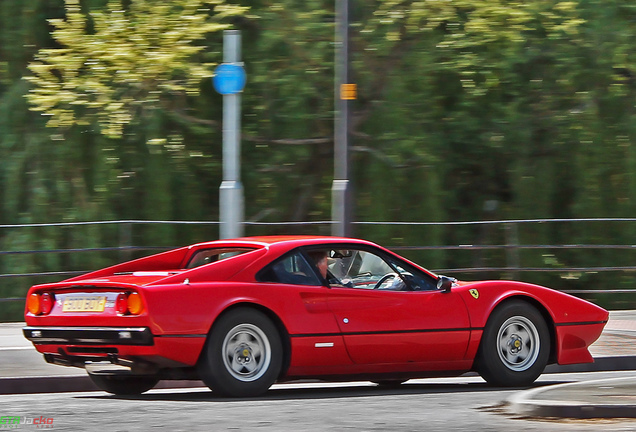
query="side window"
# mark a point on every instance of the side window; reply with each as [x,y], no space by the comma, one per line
[361,269]
[292,269]
[354,268]
[416,280]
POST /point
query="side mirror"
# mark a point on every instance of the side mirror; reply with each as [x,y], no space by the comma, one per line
[445,283]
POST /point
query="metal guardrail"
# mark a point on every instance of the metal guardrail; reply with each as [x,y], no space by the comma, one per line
[511,248]
[104,249]
[156,222]
[502,221]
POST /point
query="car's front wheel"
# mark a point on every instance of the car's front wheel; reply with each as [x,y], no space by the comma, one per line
[243,355]
[515,345]
[124,385]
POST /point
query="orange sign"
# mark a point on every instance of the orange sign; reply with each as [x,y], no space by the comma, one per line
[348,91]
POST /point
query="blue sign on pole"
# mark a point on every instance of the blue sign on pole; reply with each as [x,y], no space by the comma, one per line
[229,78]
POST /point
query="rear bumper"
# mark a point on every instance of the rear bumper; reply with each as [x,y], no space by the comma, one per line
[124,346]
[140,336]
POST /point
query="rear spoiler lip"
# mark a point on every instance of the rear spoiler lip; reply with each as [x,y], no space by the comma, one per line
[88,284]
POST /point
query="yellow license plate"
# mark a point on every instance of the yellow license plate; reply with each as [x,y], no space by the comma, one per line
[84,304]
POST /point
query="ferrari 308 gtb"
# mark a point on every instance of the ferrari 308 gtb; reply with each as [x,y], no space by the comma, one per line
[243,314]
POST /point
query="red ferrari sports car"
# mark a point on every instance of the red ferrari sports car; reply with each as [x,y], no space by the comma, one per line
[242,314]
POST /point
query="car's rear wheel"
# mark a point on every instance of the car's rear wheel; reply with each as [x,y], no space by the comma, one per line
[124,385]
[515,345]
[243,355]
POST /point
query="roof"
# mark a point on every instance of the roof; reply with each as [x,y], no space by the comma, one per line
[264,241]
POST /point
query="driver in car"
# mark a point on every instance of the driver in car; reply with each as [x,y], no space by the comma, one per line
[321,259]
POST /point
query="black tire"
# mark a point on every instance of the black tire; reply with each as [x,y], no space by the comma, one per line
[243,355]
[124,385]
[515,346]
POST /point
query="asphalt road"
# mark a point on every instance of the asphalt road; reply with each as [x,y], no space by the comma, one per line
[449,404]
[18,358]
[463,403]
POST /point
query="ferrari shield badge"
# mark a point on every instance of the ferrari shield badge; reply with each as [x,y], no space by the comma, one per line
[474,293]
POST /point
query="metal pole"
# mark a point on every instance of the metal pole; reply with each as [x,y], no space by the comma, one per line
[231,190]
[340,191]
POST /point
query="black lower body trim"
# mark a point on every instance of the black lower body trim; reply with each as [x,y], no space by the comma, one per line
[385,332]
[89,335]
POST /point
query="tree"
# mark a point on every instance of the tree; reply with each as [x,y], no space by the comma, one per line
[120,64]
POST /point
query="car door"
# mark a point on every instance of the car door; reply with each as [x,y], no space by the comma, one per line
[315,341]
[403,319]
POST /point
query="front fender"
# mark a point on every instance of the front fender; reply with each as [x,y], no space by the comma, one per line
[574,323]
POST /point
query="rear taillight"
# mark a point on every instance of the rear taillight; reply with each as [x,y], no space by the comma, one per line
[40,303]
[121,304]
[129,304]
[33,304]
[46,302]
[135,305]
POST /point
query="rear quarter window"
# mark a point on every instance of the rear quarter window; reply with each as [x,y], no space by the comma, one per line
[292,269]
[207,256]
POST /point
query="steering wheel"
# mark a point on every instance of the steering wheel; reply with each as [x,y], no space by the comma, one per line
[385,278]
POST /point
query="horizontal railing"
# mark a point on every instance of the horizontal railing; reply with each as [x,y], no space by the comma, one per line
[511,248]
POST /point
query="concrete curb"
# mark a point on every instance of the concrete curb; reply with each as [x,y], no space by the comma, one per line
[580,400]
[601,364]
[48,384]
[81,382]
[71,383]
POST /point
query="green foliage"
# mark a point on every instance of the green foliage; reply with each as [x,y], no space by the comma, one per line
[466,110]
[288,108]
[123,62]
